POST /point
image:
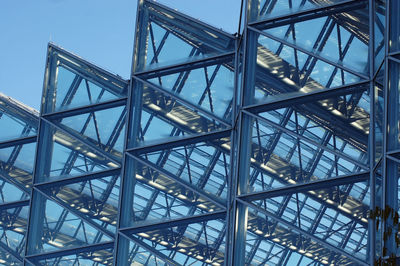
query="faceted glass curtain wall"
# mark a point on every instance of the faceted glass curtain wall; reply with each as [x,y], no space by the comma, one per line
[275,146]
[76,186]
[18,133]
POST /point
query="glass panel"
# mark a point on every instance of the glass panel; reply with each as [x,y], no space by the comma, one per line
[72,82]
[282,70]
[280,158]
[96,199]
[16,164]
[67,156]
[337,214]
[58,228]
[266,9]
[331,39]
[188,244]
[7,259]
[394,32]
[209,86]
[93,257]
[139,255]
[12,230]
[179,182]
[164,118]
[380,25]
[269,241]
[104,129]
[165,37]
[19,120]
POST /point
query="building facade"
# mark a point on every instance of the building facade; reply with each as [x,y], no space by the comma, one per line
[275,146]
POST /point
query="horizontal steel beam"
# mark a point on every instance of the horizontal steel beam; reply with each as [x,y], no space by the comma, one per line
[289,100]
[175,222]
[20,141]
[71,251]
[180,141]
[186,66]
[85,109]
[301,188]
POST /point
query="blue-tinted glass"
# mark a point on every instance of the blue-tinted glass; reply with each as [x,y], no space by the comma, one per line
[266,9]
[59,228]
[67,156]
[168,38]
[72,82]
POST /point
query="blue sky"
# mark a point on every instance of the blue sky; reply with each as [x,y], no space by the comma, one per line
[100,31]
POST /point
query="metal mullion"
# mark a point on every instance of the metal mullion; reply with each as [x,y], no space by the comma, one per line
[14,204]
[117,131]
[170,144]
[304,187]
[72,90]
[85,109]
[76,179]
[158,225]
[70,251]
[185,67]
[19,141]
[305,233]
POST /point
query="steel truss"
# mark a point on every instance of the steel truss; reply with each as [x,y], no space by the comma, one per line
[275,146]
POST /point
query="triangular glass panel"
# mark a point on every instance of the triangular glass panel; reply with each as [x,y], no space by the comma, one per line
[164,31]
[95,197]
[61,229]
[280,158]
[139,255]
[19,120]
[272,242]
[16,164]
[209,86]
[185,242]
[71,82]
[10,192]
[160,196]
[7,259]
[163,117]
[102,128]
[13,223]
[67,156]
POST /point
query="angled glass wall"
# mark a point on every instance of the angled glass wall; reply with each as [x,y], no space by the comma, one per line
[274,146]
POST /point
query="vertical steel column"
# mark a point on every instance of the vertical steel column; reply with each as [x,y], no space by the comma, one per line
[391,141]
[244,136]
[371,223]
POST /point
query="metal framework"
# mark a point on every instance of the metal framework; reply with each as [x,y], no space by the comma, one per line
[275,146]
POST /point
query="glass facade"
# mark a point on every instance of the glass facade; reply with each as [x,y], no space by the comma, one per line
[275,146]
